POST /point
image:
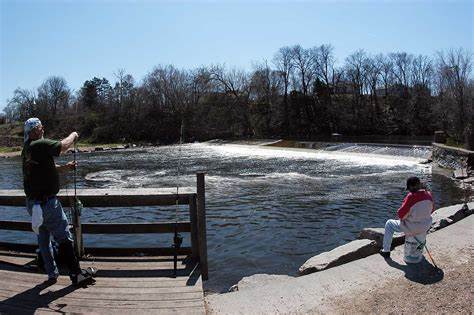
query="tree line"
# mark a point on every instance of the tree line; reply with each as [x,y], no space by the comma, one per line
[300,93]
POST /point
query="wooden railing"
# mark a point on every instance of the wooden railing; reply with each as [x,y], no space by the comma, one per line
[196,225]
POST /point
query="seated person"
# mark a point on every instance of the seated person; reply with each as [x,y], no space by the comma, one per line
[414,214]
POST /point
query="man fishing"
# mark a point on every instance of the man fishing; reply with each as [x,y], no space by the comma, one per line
[414,214]
[41,184]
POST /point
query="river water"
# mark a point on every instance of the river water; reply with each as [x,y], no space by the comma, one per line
[268,209]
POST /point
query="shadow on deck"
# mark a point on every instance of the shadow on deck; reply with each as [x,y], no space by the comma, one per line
[124,284]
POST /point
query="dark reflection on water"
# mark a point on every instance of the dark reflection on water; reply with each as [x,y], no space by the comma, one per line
[268,209]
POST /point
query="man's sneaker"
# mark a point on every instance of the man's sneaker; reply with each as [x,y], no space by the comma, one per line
[81,279]
[51,281]
[384,254]
[91,271]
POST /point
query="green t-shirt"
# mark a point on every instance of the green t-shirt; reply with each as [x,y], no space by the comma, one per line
[40,177]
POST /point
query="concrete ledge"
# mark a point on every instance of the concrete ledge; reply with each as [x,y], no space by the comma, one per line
[340,255]
[258,280]
[319,293]
[451,157]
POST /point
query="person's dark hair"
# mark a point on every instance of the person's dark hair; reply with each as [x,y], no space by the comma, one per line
[413,184]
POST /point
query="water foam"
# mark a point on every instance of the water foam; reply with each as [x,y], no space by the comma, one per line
[355,158]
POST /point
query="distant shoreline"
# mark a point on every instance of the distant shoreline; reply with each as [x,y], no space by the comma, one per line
[81,148]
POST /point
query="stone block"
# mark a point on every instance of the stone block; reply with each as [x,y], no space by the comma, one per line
[340,255]
[448,215]
[376,234]
[460,173]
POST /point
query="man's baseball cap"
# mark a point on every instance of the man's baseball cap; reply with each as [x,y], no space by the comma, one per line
[413,181]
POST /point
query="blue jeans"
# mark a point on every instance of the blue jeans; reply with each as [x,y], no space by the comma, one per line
[391,227]
[54,223]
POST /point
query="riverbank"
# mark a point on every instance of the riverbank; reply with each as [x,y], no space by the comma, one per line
[11,152]
[370,284]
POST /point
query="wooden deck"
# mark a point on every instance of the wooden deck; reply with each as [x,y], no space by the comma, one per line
[124,285]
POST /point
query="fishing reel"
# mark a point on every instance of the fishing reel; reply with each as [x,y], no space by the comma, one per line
[78,207]
[177,241]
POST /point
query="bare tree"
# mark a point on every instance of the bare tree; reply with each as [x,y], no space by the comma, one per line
[324,64]
[22,105]
[385,65]
[283,62]
[402,66]
[355,72]
[265,88]
[235,84]
[303,62]
[53,94]
[119,75]
[455,67]
[422,72]
[372,71]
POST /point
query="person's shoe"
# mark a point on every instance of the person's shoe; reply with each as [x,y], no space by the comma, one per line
[50,281]
[91,271]
[385,255]
[81,279]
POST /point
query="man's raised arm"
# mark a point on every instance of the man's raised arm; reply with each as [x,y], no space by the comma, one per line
[67,142]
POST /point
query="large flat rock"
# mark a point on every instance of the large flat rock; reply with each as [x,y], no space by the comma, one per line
[376,234]
[340,255]
[448,215]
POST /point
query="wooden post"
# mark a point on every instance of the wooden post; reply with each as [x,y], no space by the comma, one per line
[201,223]
[194,228]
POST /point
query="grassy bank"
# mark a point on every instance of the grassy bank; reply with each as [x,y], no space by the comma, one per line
[10,149]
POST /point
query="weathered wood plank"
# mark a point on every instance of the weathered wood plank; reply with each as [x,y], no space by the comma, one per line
[111,284]
[133,228]
[160,251]
[16,225]
[124,294]
[105,282]
[130,197]
[194,228]
[103,251]
[131,267]
[70,303]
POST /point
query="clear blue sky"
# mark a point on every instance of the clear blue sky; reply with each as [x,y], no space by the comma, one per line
[81,39]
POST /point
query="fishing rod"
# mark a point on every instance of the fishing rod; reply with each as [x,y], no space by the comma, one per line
[420,247]
[177,239]
[77,206]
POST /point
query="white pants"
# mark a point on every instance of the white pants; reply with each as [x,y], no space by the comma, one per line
[391,227]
